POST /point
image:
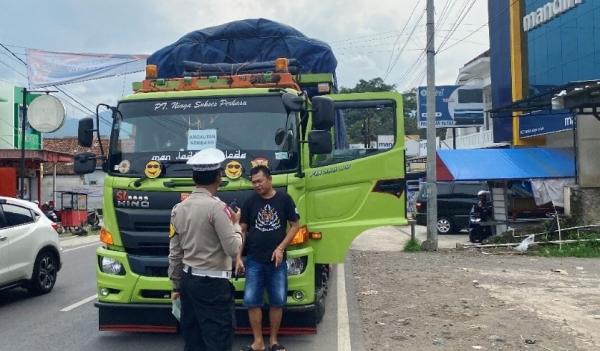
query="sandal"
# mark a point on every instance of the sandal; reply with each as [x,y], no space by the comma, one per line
[278,347]
[249,348]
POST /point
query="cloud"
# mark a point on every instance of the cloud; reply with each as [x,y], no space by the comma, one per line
[365,35]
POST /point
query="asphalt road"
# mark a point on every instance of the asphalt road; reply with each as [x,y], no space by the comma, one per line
[66,318]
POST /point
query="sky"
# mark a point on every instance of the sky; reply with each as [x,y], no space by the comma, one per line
[383,38]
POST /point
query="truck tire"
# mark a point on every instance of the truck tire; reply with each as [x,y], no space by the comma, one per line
[321,288]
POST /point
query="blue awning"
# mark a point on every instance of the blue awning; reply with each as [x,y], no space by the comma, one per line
[504,164]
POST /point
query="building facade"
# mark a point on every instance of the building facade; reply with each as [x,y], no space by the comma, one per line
[476,72]
[538,47]
[13,183]
[60,178]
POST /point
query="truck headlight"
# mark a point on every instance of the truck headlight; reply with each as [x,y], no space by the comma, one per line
[296,266]
[111,266]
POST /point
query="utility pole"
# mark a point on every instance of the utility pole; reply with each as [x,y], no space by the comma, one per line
[22,160]
[431,244]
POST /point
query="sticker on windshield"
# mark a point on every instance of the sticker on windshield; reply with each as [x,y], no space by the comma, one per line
[237,155]
[153,169]
[124,166]
[281,156]
[234,170]
[260,161]
[201,139]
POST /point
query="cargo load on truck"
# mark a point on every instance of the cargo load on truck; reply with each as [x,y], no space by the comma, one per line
[245,41]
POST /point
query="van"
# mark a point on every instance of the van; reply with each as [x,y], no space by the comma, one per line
[455,200]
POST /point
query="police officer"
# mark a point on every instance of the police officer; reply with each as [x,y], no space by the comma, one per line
[204,236]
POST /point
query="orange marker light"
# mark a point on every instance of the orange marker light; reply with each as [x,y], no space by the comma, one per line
[106,236]
[151,71]
[301,236]
[316,235]
[281,65]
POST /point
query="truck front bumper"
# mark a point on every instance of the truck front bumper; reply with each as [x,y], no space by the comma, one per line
[144,318]
[157,318]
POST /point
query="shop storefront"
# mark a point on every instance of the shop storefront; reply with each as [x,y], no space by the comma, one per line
[12,183]
[537,47]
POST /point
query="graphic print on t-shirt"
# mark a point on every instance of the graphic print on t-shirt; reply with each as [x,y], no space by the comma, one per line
[267,219]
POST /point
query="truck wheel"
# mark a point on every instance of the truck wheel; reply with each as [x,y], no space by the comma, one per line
[319,307]
[45,270]
[321,280]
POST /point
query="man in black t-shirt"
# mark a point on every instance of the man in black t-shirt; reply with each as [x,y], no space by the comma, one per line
[265,217]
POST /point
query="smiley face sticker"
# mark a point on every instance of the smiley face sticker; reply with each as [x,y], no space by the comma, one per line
[234,170]
[153,169]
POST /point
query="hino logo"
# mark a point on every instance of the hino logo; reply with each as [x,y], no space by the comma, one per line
[139,204]
[136,201]
[547,12]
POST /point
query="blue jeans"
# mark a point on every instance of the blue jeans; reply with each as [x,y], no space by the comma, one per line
[261,276]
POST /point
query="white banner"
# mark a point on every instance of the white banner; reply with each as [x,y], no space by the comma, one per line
[47,68]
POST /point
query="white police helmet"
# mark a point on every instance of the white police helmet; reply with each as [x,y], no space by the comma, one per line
[209,159]
[482,193]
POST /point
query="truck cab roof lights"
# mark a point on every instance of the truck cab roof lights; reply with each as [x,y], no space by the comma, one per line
[255,80]
[281,65]
[151,71]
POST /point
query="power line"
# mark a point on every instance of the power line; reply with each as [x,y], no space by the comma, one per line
[13,54]
[444,15]
[398,37]
[416,24]
[458,41]
[62,90]
[481,26]
[461,17]
[13,69]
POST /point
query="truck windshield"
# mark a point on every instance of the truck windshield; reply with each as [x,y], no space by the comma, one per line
[170,131]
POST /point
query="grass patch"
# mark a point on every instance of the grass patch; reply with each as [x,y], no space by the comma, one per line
[579,249]
[412,246]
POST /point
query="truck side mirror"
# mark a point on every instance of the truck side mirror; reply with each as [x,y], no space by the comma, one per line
[84,162]
[85,133]
[323,113]
[292,102]
[319,142]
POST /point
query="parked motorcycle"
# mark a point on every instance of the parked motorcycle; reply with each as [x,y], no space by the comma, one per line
[93,219]
[51,214]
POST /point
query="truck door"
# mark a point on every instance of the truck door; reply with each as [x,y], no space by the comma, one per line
[360,184]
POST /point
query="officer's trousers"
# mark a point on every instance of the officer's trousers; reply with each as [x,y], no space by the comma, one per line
[207,307]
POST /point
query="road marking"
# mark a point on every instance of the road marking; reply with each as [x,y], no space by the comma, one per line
[77,304]
[342,315]
[80,247]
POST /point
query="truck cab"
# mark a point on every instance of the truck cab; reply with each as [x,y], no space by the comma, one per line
[322,150]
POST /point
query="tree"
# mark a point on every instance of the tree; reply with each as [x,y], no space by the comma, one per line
[363,86]
[410,114]
[409,103]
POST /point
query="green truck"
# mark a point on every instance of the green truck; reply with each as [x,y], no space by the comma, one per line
[340,157]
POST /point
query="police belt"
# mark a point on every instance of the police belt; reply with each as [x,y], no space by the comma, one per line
[205,273]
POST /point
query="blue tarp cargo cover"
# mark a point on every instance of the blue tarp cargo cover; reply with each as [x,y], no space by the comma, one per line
[504,164]
[249,40]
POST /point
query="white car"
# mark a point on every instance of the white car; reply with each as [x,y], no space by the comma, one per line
[29,247]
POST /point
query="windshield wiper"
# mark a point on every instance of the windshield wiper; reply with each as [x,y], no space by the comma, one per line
[164,164]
